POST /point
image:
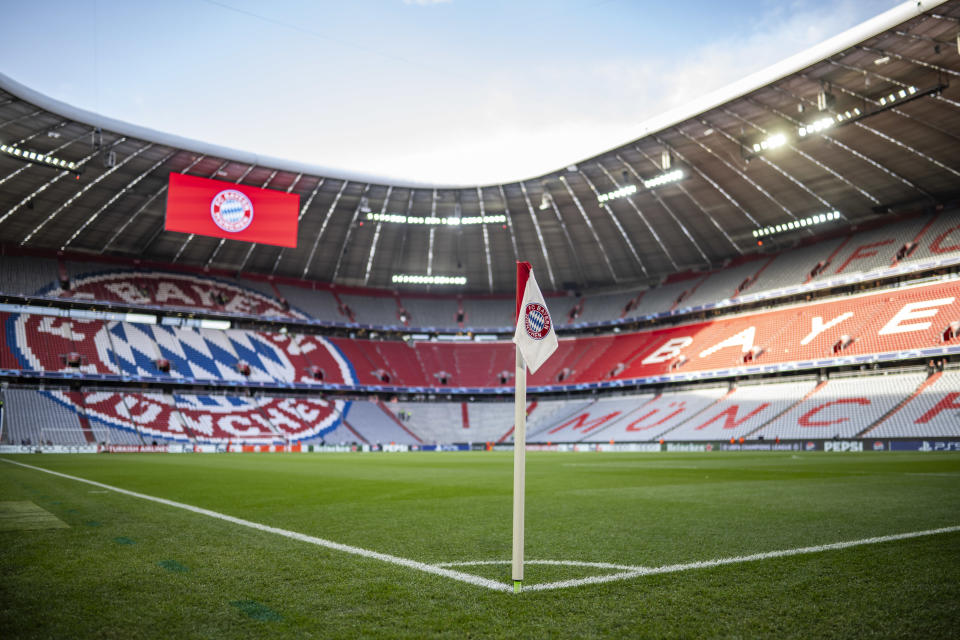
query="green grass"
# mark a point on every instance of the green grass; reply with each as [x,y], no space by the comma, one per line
[129,568]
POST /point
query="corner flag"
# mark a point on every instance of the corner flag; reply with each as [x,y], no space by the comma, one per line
[536,341]
[534,335]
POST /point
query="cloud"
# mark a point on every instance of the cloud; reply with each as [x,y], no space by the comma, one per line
[493,119]
[510,128]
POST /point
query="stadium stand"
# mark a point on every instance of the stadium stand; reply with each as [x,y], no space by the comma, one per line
[262,287]
[438,363]
[724,283]
[793,267]
[591,422]
[137,349]
[200,385]
[662,298]
[112,417]
[342,435]
[896,405]
[398,363]
[489,313]
[317,303]
[934,411]
[120,429]
[602,307]
[369,309]
[904,241]
[906,320]
[488,364]
[488,421]
[430,312]
[433,422]
[940,238]
[231,418]
[36,417]
[377,424]
[308,359]
[96,354]
[871,249]
[8,339]
[545,415]
[742,411]
[843,407]
[27,275]
[634,418]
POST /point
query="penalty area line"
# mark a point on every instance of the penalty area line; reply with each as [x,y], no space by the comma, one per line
[293,535]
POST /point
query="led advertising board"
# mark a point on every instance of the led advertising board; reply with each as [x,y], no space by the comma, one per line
[233,211]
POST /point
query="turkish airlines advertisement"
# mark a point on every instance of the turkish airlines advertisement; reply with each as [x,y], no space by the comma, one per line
[233,211]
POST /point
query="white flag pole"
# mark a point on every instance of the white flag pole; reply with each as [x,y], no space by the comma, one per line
[519,467]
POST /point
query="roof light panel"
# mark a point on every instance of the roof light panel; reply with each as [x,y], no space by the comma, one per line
[434,220]
[36,157]
[819,218]
[403,278]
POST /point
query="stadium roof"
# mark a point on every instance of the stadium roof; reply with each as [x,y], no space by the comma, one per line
[864,124]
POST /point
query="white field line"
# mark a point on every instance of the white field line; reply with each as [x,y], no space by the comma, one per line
[558,563]
[627,573]
[366,553]
[673,568]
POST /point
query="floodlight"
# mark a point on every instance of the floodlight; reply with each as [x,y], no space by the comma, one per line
[622,192]
[401,278]
[35,156]
[665,178]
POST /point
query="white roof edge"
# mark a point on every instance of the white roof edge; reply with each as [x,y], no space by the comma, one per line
[77,114]
[878,24]
[797,62]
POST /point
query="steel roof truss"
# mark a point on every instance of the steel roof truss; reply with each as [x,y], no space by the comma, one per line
[639,213]
[86,187]
[346,239]
[486,240]
[323,227]
[671,213]
[506,211]
[376,237]
[736,170]
[536,226]
[253,245]
[116,197]
[860,155]
[696,203]
[616,222]
[800,152]
[144,206]
[593,232]
[778,169]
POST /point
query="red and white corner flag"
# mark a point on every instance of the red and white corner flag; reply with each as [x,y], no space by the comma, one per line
[535,340]
[535,336]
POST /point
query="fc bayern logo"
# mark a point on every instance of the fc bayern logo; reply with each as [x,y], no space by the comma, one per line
[231,210]
[536,321]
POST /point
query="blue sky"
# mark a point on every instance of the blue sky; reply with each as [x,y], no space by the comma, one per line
[447,92]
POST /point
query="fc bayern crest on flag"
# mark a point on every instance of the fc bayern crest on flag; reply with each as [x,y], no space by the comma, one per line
[231,210]
[536,321]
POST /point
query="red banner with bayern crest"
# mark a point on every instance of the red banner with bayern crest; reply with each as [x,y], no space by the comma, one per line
[534,335]
[233,211]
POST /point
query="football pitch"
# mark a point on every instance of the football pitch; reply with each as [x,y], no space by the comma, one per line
[418,545]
